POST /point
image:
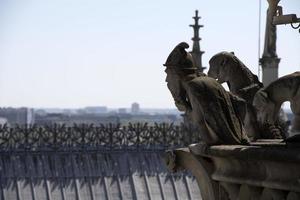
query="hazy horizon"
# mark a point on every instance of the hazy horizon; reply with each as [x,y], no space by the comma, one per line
[64,53]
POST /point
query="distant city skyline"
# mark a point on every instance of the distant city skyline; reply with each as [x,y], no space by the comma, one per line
[73,54]
[87,115]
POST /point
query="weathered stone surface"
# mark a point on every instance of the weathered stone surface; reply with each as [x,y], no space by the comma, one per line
[227,68]
[293,196]
[265,170]
[268,101]
[270,194]
[202,171]
[269,60]
[247,192]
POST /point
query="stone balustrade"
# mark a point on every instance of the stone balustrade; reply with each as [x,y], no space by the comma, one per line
[59,137]
[268,169]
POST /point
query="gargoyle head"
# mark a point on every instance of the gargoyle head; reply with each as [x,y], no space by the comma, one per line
[179,58]
[179,65]
[218,65]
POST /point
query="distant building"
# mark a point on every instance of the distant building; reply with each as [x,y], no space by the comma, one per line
[17,115]
[122,110]
[40,112]
[67,111]
[69,120]
[96,109]
[81,111]
[135,108]
[150,119]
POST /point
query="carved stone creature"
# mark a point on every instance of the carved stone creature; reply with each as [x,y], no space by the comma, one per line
[226,67]
[204,100]
[268,101]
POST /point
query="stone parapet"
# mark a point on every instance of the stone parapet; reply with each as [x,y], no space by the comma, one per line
[264,170]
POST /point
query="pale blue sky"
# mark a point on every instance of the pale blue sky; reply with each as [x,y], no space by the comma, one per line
[75,53]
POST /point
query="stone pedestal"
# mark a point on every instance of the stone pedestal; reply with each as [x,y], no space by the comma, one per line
[265,170]
[269,69]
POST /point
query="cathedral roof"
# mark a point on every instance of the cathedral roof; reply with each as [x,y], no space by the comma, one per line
[75,172]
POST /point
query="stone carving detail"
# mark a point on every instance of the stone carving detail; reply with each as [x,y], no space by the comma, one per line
[204,100]
[226,67]
[247,192]
[270,34]
[261,169]
[170,160]
[206,103]
[237,172]
[268,101]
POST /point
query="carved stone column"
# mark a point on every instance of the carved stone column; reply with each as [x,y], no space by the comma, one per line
[270,60]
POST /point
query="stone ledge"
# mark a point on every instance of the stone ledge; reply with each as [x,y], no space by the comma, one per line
[263,169]
[271,150]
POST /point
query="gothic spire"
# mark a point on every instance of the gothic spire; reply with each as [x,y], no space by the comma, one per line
[196,51]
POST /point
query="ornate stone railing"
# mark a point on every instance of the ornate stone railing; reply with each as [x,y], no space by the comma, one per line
[93,137]
[263,170]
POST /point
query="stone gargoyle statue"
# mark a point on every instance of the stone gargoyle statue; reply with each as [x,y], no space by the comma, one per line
[268,101]
[216,112]
[227,68]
